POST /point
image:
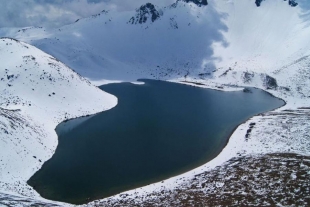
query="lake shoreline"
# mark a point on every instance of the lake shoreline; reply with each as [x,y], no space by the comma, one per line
[216,161]
[155,180]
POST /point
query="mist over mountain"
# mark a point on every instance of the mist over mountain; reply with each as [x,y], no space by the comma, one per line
[218,44]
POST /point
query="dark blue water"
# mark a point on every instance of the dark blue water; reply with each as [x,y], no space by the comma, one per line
[156,131]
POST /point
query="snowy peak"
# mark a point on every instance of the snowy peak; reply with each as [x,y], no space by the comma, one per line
[103,12]
[145,12]
[292,3]
[197,2]
[180,39]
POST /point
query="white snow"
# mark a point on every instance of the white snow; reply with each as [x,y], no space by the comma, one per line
[226,44]
[37,93]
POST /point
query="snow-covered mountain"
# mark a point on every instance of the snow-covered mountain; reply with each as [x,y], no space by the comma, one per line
[216,43]
[264,44]
[188,38]
[37,92]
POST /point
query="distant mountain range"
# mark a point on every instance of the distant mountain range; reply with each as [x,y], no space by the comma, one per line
[47,75]
[188,38]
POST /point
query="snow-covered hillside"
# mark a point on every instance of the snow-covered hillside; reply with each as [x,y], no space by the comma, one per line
[36,93]
[187,38]
[264,44]
[214,43]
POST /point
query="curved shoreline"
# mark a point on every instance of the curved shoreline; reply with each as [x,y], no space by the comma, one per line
[173,180]
[259,114]
[200,165]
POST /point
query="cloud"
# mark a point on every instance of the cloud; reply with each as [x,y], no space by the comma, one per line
[55,13]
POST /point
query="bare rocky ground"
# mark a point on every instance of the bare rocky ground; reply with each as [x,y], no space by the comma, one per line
[279,179]
[267,180]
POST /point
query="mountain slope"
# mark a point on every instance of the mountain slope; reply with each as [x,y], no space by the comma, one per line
[37,92]
[187,38]
[109,46]
[225,43]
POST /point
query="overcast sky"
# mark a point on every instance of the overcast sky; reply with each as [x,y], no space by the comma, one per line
[54,13]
